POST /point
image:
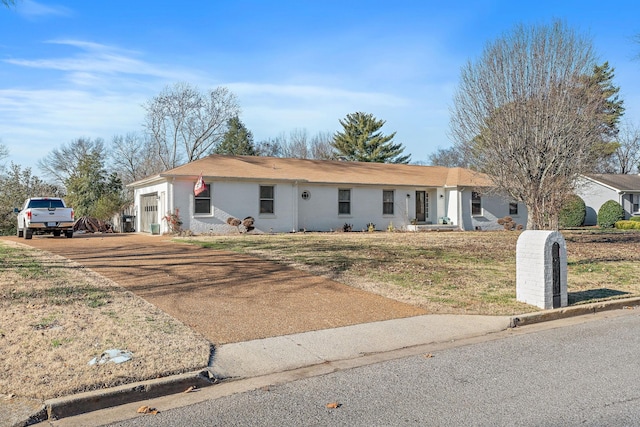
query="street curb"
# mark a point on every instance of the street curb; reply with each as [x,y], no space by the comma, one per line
[100,399]
[579,310]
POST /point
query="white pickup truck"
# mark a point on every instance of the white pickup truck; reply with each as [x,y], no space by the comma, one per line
[45,215]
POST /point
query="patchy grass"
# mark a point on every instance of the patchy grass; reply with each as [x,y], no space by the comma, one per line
[56,316]
[470,272]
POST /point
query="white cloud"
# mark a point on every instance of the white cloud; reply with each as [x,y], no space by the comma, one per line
[100,59]
[31,9]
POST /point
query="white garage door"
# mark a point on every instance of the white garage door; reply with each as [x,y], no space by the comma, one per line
[149,211]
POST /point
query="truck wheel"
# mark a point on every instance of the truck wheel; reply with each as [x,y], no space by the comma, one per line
[19,233]
[28,234]
[56,233]
[68,234]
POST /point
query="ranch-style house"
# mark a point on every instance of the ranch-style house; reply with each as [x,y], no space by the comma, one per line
[292,195]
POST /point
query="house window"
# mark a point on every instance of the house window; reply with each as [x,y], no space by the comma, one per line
[387,202]
[476,203]
[267,199]
[635,200]
[203,201]
[344,202]
[513,208]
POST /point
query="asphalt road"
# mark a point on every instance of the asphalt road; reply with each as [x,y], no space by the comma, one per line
[583,374]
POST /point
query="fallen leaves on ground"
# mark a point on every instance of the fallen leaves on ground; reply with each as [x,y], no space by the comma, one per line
[333,405]
[147,410]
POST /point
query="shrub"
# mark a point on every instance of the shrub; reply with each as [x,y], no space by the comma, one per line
[573,212]
[635,218]
[627,225]
[610,213]
[509,224]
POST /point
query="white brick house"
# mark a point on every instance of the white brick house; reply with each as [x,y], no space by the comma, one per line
[597,189]
[285,195]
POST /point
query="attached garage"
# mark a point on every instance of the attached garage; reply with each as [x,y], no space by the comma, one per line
[149,211]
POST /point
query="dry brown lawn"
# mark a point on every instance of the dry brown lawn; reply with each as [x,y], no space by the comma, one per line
[449,272]
[55,315]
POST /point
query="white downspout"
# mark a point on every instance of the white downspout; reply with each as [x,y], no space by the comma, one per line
[460,223]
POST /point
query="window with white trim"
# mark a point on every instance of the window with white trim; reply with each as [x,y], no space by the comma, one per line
[267,199]
[476,203]
[387,202]
[202,202]
[344,201]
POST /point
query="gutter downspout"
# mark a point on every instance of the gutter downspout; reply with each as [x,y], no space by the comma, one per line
[460,223]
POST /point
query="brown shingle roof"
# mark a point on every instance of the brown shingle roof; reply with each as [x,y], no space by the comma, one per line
[622,182]
[326,172]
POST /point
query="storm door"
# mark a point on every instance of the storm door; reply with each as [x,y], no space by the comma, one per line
[421,206]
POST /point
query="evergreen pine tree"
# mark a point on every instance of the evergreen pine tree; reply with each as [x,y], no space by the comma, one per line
[361,140]
[237,141]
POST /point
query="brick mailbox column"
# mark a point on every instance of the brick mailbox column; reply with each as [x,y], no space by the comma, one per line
[541,269]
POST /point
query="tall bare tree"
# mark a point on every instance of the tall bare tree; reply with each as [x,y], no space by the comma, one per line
[626,158]
[62,163]
[447,157]
[186,124]
[321,146]
[133,157]
[298,145]
[523,115]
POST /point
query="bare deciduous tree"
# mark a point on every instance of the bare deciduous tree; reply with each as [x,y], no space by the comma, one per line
[626,158]
[524,116]
[321,146]
[299,146]
[447,157]
[185,124]
[62,163]
[133,158]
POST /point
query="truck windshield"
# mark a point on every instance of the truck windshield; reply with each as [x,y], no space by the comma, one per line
[46,204]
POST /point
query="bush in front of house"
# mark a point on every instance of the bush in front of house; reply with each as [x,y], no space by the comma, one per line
[573,212]
[627,225]
[509,224]
[635,218]
[610,213]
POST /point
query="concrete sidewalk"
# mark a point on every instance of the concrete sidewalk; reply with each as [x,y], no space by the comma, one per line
[257,358]
[278,354]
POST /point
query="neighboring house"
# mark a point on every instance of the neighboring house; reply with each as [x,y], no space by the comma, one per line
[597,189]
[290,195]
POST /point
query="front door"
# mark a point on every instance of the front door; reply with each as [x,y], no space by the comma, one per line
[421,211]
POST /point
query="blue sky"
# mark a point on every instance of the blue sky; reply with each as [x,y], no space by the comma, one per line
[79,68]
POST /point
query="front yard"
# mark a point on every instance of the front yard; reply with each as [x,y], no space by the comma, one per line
[448,272]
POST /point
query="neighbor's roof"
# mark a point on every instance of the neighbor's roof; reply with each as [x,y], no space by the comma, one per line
[620,182]
[323,172]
